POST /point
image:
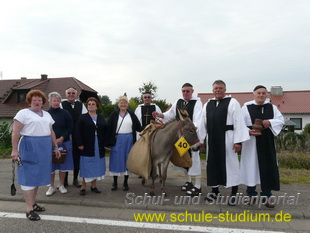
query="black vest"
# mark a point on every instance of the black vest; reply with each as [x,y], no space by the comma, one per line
[74,112]
[146,114]
[188,106]
[264,111]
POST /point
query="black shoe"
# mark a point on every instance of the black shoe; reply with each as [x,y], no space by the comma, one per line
[77,184]
[125,187]
[187,186]
[269,205]
[194,192]
[211,197]
[82,192]
[232,201]
[114,187]
[95,190]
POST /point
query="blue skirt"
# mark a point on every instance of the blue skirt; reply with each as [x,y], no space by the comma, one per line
[92,166]
[68,164]
[119,152]
[36,156]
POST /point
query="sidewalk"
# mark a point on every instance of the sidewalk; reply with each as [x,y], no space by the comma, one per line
[176,178]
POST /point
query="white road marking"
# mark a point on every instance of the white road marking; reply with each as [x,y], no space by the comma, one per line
[116,223]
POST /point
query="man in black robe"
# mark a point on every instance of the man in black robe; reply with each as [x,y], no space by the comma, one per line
[75,108]
[225,131]
[258,163]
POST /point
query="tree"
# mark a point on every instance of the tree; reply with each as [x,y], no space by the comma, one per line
[132,104]
[104,99]
[149,86]
[135,101]
[108,109]
[162,104]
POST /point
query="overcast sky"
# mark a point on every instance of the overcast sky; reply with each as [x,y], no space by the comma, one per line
[114,46]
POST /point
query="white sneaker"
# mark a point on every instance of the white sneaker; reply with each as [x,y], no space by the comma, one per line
[62,189]
[50,191]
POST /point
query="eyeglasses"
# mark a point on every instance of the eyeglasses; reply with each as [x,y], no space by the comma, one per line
[91,104]
[147,97]
[71,93]
[185,91]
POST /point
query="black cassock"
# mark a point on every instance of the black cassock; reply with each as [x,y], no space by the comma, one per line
[146,114]
[266,150]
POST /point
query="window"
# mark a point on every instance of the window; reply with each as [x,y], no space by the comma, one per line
[298,122]
[21,97]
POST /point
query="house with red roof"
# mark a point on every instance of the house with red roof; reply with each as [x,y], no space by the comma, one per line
[294,105]
[13,92]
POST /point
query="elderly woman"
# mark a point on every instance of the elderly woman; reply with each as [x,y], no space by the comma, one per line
[34,149]
[90,133]
[123,125]
[62,127]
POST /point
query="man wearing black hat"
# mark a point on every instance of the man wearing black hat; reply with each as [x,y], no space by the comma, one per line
[258,163]
[226,131]
[193,106]
[144,111]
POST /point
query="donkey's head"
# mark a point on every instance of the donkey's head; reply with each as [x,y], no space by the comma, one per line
[188,130]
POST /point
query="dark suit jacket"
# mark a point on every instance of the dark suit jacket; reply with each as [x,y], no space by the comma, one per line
[85,134]
[112,124]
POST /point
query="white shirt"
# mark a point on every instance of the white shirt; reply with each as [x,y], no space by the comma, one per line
[34,124]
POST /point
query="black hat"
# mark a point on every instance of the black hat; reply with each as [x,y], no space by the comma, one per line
[258,87]
[187,85]
[147,92]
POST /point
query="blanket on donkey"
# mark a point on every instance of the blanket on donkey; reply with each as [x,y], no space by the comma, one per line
[139,159]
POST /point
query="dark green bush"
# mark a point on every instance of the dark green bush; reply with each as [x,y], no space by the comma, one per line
[294,160]
[290,141]
[5,134]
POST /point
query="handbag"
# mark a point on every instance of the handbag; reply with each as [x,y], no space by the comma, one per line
[63,152]
[13,189]
[19,163]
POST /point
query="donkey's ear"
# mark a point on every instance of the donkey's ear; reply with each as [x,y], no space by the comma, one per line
[182,114]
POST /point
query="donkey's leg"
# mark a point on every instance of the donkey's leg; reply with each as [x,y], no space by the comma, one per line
[154,175]
[160,174]
[164,175]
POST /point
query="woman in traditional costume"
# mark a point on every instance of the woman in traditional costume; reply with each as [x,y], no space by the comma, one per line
[123,125]
[34,149]
[90,134]
[62,127]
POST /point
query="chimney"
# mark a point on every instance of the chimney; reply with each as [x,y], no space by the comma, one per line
[43,76]
[23,78]
[276,90]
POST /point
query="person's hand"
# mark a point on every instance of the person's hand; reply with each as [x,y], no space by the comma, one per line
[266,124]
[60,140]
[253,132]
[107,148]
[237,147]
[57,153]
[155,114]
[81,147]
[14,155]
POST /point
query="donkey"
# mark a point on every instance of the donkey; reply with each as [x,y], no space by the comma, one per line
[162,144]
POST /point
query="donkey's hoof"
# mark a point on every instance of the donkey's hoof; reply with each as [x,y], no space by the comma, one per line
[152,194]
[143,181]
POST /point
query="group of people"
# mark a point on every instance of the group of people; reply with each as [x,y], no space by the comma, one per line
[228,130]
[85,135]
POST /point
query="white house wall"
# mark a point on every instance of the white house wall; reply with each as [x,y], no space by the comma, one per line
[305,119]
